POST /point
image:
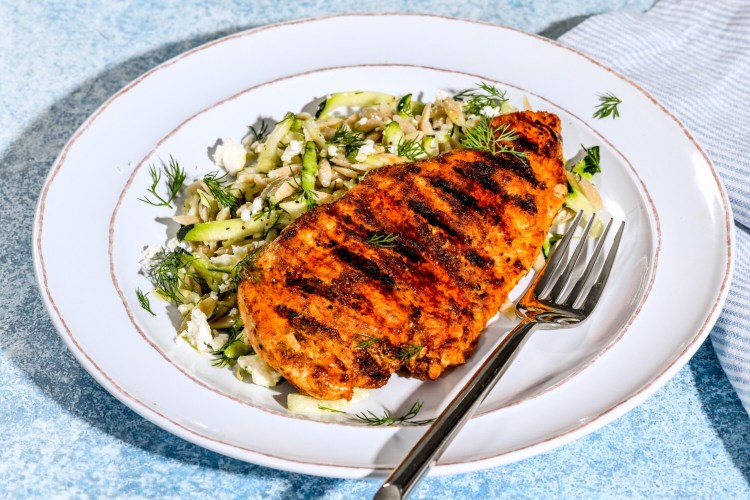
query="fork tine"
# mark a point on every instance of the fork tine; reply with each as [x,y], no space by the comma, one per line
[578,287]
[557,255]
[596,290]
[564,278]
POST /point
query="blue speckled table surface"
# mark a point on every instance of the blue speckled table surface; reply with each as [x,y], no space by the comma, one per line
[62,435]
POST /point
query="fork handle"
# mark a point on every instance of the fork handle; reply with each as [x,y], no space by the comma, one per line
[408,473]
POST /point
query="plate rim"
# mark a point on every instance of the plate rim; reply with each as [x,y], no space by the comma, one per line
[333,470]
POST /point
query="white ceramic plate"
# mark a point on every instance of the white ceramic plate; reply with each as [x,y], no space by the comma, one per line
[562,386]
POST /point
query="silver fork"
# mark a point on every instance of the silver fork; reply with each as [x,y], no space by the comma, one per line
[548,303]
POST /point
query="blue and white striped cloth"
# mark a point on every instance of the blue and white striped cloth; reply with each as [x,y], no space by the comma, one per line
[694,56]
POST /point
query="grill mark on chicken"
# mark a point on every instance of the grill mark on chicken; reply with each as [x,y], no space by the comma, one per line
[464,198]
[364,265]
[404,246]
[314,286]
[481,173]
[391,264]
[466,226]
[432,217]
[430,246]
[478,260]
[420,277]
[526,203]
[514,165]
[370,367]
[302,322]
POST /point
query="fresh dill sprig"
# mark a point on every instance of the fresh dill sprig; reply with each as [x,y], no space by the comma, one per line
[246,269]
[273,226]
[486,137]
[221,193]
[387,419]
[409,351]
[165,274]
[382,240]
[143,299]
[607,106]
[309,197]
[175,177]
[328,408]
[350,140]
[268,208]
[476,99]
[367,341]
[233,348]
[261,132]
[411,149]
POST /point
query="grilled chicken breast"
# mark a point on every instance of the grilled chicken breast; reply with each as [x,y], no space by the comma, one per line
[338,304]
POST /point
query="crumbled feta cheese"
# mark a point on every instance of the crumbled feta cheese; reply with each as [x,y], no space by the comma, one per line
[219,341]
[293,149]
[233,311]
[245,212]
[332,151]
[230,155]
[239,252]
[362,120]
[174,243]
[365,150]
[213,295]
[489,111]
[226,259]
[257,205]
[442,94]
[226,283]
[147,262]
[262,374]
[185,308]
[198,331]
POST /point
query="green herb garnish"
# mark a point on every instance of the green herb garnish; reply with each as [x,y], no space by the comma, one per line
[166,275]
[411,149]
[143,299]
[350,140]
[486,137]
[175,177]
[246,269]
[222,194]
[409,351]
[382,240]
[404,106]
[387,419]
[233,348]
[332,410]
[268,208]
[309,197]
[306,194]
[607,106]
[589,164]
[367,341]
[261,132]
[550,242]
[476,99]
